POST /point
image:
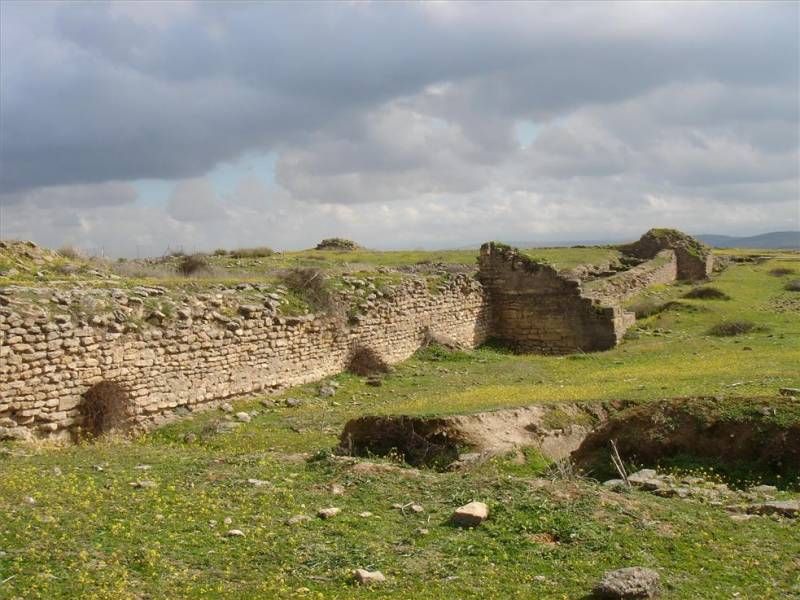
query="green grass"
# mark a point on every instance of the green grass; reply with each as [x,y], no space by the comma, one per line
[90,535]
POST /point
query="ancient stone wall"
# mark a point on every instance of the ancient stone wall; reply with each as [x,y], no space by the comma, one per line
[55,365]
[48,367]
[534,308]
[694,259]
[618,288]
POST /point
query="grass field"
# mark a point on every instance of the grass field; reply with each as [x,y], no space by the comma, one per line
[74,527]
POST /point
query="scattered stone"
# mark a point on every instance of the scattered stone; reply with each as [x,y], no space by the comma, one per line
[143,467]
[417,508]
[30,500]
[630,582]
[336,489]
[298,519]
[190,438]
[739,518]
[267,403]
[326,391]
[788,391]
[422,531]
[227,520]
[763,489]
[374,381]
[235,533]
[365,577]
[366,514]
[292,402]
[539,578]
[243,417]
[226,426]
[616,484]
[142,484]
[470,515]
[646,479]
[57,471]
[258,482]
[328,513]
[784,508]
[226,407]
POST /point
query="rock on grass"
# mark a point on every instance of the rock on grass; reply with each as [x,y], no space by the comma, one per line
[629,583]
[470,515]
[364,577]
[328,513]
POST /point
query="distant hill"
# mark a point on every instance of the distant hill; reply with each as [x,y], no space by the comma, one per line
[774,239]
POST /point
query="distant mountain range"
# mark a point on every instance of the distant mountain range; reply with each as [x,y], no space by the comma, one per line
[774,239]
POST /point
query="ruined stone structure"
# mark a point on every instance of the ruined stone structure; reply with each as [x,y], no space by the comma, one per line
[52,368]
[534,308]
[694,259]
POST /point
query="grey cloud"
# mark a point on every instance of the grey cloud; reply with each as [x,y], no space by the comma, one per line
[93,94]
[195,201]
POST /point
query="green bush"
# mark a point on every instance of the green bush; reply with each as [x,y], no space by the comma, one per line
[706,293]
[193,264]
[793,286]
[258,252]
[731,328]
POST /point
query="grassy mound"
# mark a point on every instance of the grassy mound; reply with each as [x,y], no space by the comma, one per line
[706,293]
[732,328]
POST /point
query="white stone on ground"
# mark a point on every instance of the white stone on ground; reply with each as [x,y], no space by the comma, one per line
[365,577]
[328,513]
[471,514]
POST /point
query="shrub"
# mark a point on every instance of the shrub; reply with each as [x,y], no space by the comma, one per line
[220,252]
[793,286]
[105,407]
[337,244]
[311,285]
[781,272]
[193,264]
[731,328]
[366,361]
[70,252]
[706,293]
[258,252]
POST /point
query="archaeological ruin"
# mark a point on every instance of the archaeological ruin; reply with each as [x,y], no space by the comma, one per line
[60,373]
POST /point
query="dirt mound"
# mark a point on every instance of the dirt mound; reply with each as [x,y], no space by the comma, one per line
[754,434]
[557,429]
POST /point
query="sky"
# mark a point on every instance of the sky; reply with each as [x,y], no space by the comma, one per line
[131,128]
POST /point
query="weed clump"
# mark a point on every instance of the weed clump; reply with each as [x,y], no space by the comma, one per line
[781,272]
[365,361]
[732,328]
[105,407]
[706,293]
[257,252]
[70,252]
[193,264]
[311,285]
[793,286]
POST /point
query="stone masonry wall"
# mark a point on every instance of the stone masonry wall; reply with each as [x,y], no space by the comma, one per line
[49,363]
[618,288]
[47,366]
[534,308]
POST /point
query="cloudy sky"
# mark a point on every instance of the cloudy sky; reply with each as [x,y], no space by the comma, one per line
[137,126]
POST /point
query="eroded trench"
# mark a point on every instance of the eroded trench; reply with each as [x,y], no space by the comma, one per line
[761,437]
